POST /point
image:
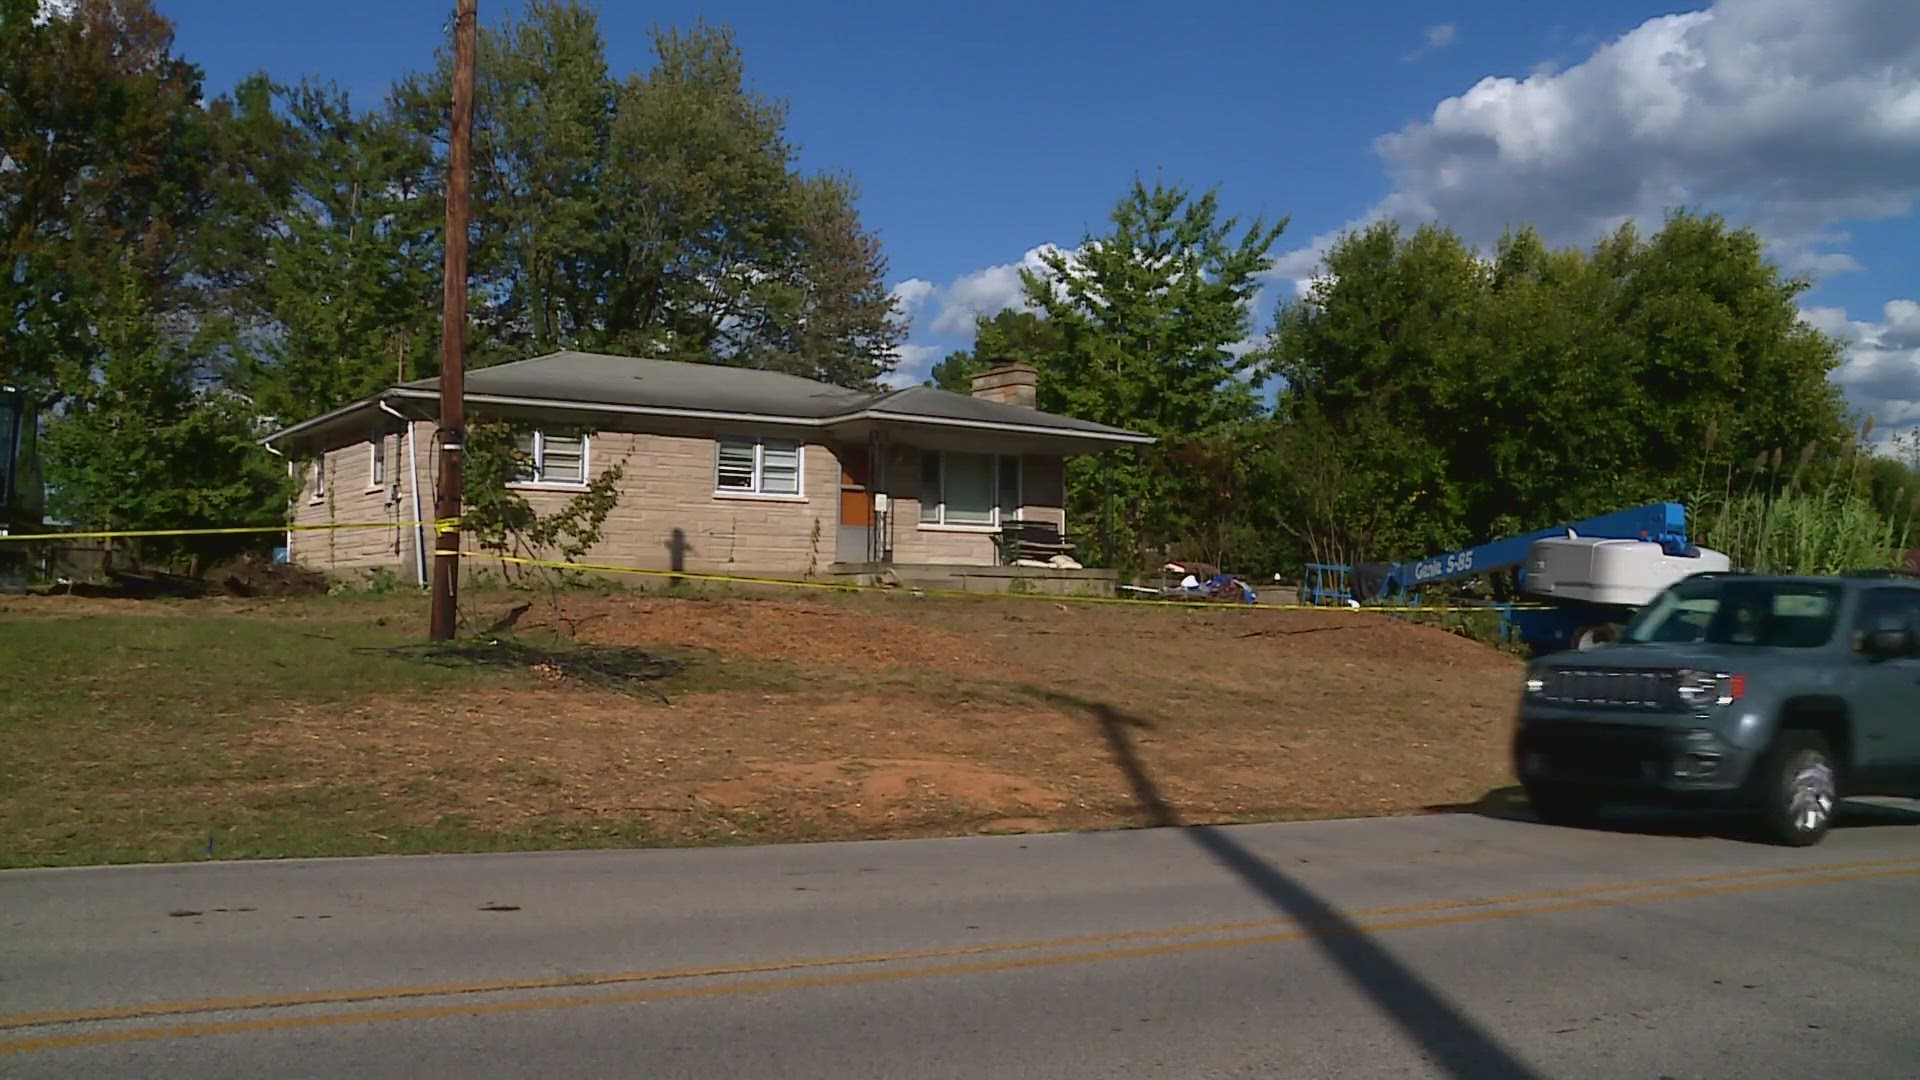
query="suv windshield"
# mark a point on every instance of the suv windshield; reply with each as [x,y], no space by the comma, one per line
[1736,611]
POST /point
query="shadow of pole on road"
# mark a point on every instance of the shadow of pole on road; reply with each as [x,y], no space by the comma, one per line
[1451,1038]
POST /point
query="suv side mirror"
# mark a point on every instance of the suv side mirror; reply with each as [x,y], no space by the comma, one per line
[1887,644]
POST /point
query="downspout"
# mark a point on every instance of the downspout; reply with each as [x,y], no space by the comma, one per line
[289,461]
[413,482]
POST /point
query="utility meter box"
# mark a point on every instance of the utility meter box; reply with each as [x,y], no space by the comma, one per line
[1625,573]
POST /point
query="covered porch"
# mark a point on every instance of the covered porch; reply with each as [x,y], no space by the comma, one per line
[951,506]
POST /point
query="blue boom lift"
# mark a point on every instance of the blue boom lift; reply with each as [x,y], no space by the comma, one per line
[1586,580]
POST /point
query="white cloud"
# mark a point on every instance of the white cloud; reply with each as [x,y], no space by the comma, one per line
[1302,266]
[1793,115]
[1881,372]
[1439,37]
[914,361]
[988,292]
[915,364]
[909,295]
[998,288]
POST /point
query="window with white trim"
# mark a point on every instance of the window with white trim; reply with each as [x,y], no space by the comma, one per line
[756,466]
[377,463]
[317,480]
[969,489]
[553,458]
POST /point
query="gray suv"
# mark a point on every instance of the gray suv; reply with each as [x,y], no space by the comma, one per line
[1778,696]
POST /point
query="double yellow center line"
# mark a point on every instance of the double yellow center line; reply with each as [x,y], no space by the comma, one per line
[886,966]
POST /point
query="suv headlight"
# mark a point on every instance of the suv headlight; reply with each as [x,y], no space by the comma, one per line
[1701,688]
[1536,682]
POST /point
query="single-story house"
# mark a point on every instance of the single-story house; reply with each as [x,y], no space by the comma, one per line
[726,470]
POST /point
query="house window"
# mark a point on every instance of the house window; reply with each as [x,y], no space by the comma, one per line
[553,459]
[969,489]
[746,466]
[317,480]
[377,463]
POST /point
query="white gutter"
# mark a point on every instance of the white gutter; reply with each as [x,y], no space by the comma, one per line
[788,421]
[413,481]
[303,425]
[625,410]
[994,425]
[276,453]
[1108,438]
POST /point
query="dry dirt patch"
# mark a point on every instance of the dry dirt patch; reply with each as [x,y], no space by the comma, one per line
[838,633]
[916,757]
[888,716]
[710,762]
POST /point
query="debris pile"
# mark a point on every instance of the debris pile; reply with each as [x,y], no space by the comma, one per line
[253,575]
[1205,581]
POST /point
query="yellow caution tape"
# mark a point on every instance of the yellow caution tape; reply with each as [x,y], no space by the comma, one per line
[444,525]
[848,586]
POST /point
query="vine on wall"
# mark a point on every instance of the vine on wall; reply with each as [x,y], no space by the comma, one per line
[502,521]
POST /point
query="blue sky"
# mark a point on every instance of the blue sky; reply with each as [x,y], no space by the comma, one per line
[979,133]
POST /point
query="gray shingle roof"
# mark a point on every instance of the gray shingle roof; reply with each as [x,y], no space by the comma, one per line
[600,379]
[927,402]
[634,384]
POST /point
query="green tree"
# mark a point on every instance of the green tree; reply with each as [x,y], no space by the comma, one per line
[1012,334]
[544,105]
[1313,498]
[1481,398]
[329,250]
[1150,318]
[659,215]
[104,152]
[831,315]
[1386,353]
[148,443]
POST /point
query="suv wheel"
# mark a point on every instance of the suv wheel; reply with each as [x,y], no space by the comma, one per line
[1798,795]
[1562,807]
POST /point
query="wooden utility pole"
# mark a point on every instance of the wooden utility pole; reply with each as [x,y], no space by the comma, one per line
[453,326]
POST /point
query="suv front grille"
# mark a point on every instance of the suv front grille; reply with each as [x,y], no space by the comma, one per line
[1650,691]
[1597,751]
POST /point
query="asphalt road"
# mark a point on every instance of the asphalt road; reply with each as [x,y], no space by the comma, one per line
[1448,946]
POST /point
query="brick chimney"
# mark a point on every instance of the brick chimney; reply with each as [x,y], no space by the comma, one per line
[1009,383]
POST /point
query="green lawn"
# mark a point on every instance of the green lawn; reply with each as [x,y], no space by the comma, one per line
[118,732]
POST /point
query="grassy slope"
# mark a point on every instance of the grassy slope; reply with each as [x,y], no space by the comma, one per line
[140,732]
[118,731]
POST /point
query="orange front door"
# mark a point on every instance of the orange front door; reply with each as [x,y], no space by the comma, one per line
[855,541]
[857,502]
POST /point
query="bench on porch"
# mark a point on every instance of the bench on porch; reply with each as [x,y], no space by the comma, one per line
[1036,540]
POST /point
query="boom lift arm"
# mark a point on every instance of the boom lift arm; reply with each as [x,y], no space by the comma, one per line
[1661,523]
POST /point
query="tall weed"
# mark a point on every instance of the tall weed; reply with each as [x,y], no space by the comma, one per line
[1807,516]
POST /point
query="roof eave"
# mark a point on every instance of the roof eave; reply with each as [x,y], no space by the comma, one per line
[296,430]
[1114,437]
[615,409]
